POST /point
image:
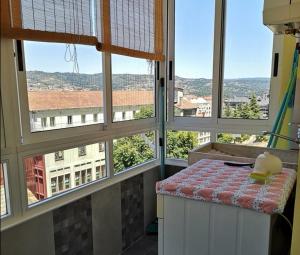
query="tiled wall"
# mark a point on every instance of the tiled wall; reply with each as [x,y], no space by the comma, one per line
[73,228]
[104,223]
[132,204]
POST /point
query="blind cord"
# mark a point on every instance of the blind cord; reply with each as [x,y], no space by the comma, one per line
[71,56]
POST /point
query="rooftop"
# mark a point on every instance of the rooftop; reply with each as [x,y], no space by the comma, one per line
[55,100]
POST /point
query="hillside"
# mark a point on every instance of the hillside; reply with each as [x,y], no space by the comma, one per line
[38,80]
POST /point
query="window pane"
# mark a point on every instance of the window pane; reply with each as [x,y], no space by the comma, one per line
[194,42]
[133,150]
[179,143]
[248,61]
[244,139]
[3,189]
[65,87]
[133,88]
[46,176]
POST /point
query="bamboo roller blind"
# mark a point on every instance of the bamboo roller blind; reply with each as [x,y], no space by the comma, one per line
[127,27]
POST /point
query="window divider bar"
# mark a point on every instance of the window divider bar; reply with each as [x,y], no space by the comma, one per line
[218,60]
[109,158]
[107,90]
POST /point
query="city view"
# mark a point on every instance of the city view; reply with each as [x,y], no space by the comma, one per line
[58,100]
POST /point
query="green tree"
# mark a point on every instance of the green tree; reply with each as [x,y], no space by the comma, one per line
[144,113]
[228,111]
[136,149]
[179,143]
[225,138]
[249,110]
[131,151]
[254,107]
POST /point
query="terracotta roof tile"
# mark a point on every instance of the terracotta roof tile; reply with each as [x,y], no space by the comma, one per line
[55,100]
[186,104]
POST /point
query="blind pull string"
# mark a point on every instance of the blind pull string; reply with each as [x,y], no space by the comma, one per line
[71,56]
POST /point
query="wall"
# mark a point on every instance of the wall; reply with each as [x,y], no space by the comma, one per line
[104,223]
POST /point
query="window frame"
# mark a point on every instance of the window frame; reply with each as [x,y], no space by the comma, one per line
[29,144]
[29,137]
[215,124]
[7,191]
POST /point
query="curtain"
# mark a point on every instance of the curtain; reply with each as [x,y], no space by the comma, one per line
[126,27]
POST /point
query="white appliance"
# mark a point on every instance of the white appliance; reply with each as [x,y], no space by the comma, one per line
[282,16]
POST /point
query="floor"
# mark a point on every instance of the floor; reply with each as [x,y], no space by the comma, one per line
[147,245]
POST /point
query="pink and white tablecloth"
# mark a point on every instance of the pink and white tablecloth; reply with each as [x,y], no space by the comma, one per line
[212,181]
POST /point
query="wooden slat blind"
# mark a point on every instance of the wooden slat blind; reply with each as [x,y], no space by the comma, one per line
[127,27]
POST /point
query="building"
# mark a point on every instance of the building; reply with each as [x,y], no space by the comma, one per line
[191,105]
[262,101]
[52,173]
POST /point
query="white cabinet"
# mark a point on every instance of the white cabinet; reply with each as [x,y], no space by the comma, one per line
[190,227]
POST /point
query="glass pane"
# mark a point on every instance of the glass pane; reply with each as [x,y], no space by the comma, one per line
[133,88]
[248,61]
[64,84]
[46,176]
[194,42]
[133,150]
[244,139]
[179,143]
[3,189]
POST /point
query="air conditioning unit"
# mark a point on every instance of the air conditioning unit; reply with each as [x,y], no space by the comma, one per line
[282,16]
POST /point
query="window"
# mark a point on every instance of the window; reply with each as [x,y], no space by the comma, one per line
[133,150]
[83,118]
[43,182]
[54,185]
[4,190]
[97,172]
[179,143]
[70,120]
[103,171]
[52,121]
[246,85]
[194,42]
[244,139]
[101,147]
[66,83]
[133,85]
[81,151]
[89,175]
[95,117]
[44,122]
[67,181]
[59,155]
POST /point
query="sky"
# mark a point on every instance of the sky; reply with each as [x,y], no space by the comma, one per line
[248,45]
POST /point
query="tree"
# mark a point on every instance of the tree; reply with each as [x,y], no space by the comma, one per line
[131,151]
[228,111]
[249,110]
[136,149]
[225,138]
[254,107]
[144,113]
[179,143]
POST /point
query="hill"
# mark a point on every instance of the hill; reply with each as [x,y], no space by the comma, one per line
[38,80]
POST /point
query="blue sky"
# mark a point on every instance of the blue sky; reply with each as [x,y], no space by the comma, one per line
[248,46]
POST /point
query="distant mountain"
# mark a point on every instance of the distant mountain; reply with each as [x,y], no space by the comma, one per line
[38,80]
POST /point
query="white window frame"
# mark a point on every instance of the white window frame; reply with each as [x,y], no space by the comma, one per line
[6,188]
[215,124]
[21,143]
